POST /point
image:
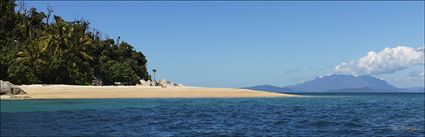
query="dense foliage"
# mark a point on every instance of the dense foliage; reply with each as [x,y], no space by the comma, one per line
[36,48]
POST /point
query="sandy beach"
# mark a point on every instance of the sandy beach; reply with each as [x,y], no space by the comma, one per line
[87,92]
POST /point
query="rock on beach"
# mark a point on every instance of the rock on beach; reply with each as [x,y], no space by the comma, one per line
[10,89]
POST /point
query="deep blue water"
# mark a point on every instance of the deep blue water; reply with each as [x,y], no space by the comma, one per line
[314,115]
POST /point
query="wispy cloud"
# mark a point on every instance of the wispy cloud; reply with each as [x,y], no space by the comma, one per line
[387,61]
[409,81]
[292,70]
[416,73]
[311,69]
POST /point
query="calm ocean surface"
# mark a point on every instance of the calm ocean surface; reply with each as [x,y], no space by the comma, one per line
[314,115]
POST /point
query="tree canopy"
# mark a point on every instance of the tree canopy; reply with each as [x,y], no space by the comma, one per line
[37,49]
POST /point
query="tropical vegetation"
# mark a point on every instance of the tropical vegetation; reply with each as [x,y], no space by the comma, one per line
[39,47]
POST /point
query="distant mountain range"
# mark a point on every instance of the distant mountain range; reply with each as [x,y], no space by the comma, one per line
[337,83]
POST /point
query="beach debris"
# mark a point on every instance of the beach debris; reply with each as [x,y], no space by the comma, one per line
[162,83]
[10,89]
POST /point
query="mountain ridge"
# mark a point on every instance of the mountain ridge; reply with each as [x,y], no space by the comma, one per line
[339,83]
[342,81]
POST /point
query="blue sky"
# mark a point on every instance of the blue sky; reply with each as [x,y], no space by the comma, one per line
[238,44]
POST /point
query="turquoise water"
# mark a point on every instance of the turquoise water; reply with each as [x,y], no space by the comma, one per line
[313,115]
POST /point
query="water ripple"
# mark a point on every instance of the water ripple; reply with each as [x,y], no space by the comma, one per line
[330,115]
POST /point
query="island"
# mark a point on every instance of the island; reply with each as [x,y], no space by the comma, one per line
[48,57]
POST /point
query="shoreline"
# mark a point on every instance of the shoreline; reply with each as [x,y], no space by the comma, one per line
[127,92]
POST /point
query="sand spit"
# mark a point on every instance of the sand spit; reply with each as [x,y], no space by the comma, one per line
[93,92]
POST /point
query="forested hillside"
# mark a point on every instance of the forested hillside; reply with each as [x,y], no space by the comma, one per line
[39,47]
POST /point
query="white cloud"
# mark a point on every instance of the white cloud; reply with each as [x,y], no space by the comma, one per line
[421,49]
[386,61]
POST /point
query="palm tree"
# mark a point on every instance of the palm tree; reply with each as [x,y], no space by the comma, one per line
[32,55]
[154,71]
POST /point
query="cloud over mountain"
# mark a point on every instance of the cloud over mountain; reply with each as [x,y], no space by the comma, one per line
[386,61]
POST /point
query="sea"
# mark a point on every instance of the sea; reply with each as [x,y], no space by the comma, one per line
[309,115]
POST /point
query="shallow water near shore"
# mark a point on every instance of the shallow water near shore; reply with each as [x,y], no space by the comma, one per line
[311,115]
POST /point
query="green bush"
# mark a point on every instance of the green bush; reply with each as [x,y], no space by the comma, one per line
[34,50]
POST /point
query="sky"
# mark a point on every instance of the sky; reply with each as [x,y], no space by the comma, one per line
[240,43]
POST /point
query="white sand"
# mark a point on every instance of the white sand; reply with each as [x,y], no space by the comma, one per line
[80,92]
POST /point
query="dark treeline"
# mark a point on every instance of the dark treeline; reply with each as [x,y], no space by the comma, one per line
[37,47]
